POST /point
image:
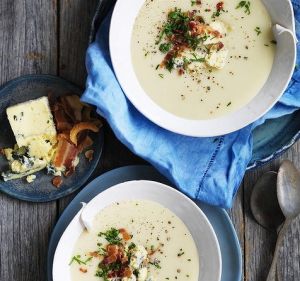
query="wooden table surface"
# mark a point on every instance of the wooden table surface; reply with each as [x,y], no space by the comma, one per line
[50,37]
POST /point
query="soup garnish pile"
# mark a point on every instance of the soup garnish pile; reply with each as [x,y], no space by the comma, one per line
[202,59]
[135,240]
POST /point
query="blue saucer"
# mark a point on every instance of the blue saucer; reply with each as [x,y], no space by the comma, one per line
[230,248]
[41,190]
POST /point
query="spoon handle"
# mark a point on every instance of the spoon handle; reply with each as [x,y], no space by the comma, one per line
[281,234]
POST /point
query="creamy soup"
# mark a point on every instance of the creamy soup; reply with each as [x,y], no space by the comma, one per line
[202,59]
[135,240]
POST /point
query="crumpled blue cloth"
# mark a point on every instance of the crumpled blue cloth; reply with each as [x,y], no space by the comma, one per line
[208,169]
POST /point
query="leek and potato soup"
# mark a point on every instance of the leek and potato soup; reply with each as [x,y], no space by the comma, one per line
[135,240]
[202,59]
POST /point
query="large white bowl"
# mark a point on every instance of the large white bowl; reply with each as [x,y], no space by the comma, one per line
[122,22]
[210,263]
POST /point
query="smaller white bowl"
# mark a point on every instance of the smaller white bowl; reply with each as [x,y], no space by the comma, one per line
[210,264]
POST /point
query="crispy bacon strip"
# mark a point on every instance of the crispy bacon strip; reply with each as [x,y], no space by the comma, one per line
[85,143]
[126,272]
[82,126]
[73,107]
[62,121]
[65,154]
[126,236]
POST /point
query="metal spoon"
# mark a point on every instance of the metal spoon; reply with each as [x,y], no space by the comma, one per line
[288,193]
[264,204]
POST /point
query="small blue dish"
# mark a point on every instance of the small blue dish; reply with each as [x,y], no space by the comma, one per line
[219,219]
[273,138]
[41,190]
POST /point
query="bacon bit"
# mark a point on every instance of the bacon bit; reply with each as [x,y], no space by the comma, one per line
[65,154]
[126,236]
[180,71]
[94,254]
[81,127]
[83,270]
[112,250]
[89,155]
[64,136]
[57,181]
[220,45]
[110,259]
[73,107]
[124,259]
[85,143]
[62,121]
[192,25]
[220,6]
[126,272]
[69,172]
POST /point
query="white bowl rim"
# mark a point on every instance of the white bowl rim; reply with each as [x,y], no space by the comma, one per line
[121,61]
[76,221]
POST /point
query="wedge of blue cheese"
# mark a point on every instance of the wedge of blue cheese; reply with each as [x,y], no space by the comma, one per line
[34,129]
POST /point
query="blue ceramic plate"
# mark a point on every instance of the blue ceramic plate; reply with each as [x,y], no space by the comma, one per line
[41,190]
[273,138]
[230,248]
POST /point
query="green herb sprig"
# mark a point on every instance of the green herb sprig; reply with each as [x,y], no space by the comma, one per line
[112,236]
[246,5]
[78,259]
[257,30]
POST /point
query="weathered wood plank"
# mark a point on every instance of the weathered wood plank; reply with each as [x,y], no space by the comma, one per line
[237,216]
[75,19]
[75,22]
[260,243]
[27,45]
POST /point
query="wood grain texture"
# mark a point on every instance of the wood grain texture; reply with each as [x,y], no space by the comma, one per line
[260,243]
[27,45]
[75,17]
[237,216]
[74,28]
[27,38]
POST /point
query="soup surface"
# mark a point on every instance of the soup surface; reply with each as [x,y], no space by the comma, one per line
[151,243]
[202,59]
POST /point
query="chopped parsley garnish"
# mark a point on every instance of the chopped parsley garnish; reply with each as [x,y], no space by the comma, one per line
[161,75]
[228,104]
[220,8]
[112,236]
[165,47]
[182,31]
[195,2]
[78,259]
[245,5]
[131,246]
[196,59]
[155,263]
[101,250]
[257,30]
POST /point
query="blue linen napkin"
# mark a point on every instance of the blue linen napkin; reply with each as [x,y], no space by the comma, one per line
[207,169]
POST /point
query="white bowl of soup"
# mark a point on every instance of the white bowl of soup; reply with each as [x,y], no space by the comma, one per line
[203,68]
[138,231]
